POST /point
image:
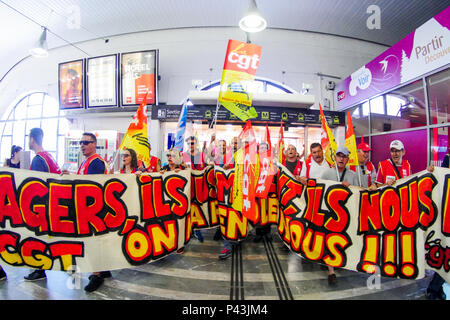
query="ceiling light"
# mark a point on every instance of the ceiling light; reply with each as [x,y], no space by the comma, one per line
[253,21]
[40,49]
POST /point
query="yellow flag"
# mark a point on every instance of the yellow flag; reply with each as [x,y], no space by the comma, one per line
[328,142]
[136,137]
[350,142]
[238,180]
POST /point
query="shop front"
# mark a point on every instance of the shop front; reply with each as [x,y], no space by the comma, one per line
[301,127]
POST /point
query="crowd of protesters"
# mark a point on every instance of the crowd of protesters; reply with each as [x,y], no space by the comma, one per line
[315,166]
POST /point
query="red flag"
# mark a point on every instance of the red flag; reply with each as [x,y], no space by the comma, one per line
[267,170]
[136,137]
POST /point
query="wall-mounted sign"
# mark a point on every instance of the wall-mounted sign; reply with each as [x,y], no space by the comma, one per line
[138,75]
[102,80]
[71,84]
[420,52]
[267,114]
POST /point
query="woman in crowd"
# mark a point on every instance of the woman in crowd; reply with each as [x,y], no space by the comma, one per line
[14,161]
[129,161]
[175,161]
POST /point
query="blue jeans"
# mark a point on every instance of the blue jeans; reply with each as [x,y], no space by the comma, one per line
[227,244]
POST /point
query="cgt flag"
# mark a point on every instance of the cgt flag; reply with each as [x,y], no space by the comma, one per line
[239,69]
[136,137]
[350,142]
[246,171]
[328,142]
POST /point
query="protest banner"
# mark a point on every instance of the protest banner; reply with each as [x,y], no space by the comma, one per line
[107,222]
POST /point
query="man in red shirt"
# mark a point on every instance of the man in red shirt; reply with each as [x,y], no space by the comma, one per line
[395,167]
[43,162]
[194,158]
[93,164]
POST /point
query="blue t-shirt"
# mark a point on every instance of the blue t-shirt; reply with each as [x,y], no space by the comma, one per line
[96,166]
[39,164]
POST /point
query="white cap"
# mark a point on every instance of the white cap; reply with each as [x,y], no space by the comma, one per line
[343,149]
[397,144]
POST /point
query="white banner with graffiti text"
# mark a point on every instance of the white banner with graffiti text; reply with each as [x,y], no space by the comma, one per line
[107,222]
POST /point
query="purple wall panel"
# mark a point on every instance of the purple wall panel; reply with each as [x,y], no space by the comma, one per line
[415,143]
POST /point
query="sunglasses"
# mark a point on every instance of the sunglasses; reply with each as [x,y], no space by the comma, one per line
[125,155]
[191,143]
[85,142]
[170,155]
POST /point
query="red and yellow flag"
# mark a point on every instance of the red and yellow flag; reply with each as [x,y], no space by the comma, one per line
[136,137]
[241,62]
[350,142]
[328,142]
[246,171]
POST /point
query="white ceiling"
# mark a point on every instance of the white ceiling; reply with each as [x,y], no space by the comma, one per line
[106,18]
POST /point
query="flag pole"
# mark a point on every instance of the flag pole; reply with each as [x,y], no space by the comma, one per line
[116,154]
[359,175]
[213,123]
[335,165]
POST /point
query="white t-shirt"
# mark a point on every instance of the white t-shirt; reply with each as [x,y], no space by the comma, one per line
[349,176]
[316,169]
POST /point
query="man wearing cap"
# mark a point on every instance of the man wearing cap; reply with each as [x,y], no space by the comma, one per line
[395,167]
[346,177]
[366,171]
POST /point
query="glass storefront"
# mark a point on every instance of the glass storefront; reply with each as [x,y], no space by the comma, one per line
[439,96]
[299,136]
[416,114]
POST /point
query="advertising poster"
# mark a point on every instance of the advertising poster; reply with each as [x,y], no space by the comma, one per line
[102,81]
[138,77]
[70,81]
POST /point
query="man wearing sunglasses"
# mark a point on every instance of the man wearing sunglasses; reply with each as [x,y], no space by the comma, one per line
[193,158]
[43,162]
[93,164]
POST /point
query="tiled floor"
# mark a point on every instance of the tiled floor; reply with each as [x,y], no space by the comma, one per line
[199,274]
